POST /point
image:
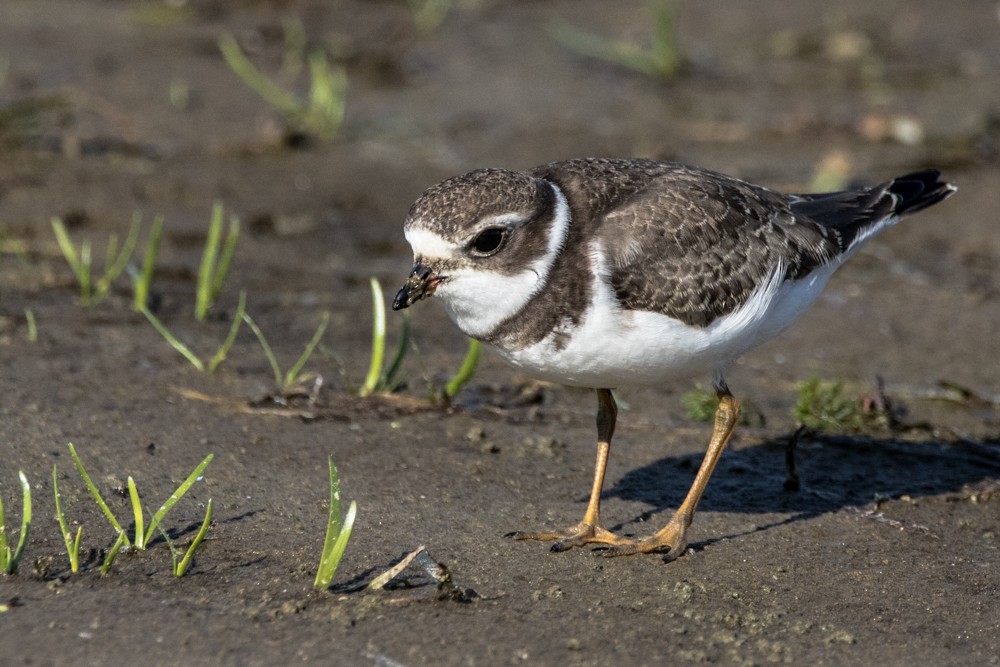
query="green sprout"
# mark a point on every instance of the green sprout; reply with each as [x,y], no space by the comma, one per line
[220,354]
[214,269]
[29,316]
[376,380]
[181,563]
[72,543]
[823,405]
[142,533]
[109,559]
[10,559]
[465,371]
[287,380]
[140,299]
[321,113]
[93,292]
[660,60]
[337,533]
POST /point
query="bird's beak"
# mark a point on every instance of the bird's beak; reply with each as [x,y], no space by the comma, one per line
[421,283]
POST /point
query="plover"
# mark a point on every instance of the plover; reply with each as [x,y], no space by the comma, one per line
[606,273]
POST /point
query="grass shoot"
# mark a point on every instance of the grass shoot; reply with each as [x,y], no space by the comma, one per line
[220,354]
[214,268]
[377,380]
[9,559]
[142,533]
[116,260]
[321,113]
[337,533]
[29,316]
[140,298]
[288,379]
[181,563]
[660,60]
[72,543]
[465,371]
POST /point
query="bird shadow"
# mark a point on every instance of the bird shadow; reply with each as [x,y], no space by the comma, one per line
[835,472]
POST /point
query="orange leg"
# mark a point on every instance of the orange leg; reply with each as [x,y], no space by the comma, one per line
[589,531]
[672,537]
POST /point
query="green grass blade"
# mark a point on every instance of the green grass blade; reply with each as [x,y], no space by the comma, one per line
[401,350]
[331,561]
[323,575]
[203,295]
[22,539]
[181,568]
[86,292]
[4,549]
[140,535]
[228,250]
[29,315]
[252,77]
[293,373]
[177,495]
[337,534]
[220,354]
[175,553]
[327,96]
[72,547]
[140,298]
[271,359]
[113,553]
[466,371]
[174,342]
[378,340]
[68,249]
[95,493]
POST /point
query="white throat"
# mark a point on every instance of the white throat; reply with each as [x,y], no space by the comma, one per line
[477,300]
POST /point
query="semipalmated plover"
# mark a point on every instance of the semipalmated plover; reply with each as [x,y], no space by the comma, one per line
[609,273]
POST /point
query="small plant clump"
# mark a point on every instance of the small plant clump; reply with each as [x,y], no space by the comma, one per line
[93,291]
[337,533]
[824,406]
[220,354]
[321,113]
[142,533]
[284,382]
[214,267]
[660,60]
[700,404]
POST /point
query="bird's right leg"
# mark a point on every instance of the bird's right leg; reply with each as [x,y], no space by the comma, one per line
[589,531]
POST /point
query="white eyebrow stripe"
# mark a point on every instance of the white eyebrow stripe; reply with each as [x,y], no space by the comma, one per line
[502,220]
[430,244]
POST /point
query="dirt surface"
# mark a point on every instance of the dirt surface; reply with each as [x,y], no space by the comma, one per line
[888,554]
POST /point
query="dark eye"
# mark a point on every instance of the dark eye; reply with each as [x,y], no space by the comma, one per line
[490,240]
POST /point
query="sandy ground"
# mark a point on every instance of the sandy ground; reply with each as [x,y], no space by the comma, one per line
[888,554]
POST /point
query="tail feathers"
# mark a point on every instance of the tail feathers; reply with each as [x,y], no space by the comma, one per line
[857,214]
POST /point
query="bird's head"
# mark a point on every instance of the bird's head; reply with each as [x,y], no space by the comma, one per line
[483,243]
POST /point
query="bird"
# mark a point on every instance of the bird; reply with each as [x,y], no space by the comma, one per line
[609,273]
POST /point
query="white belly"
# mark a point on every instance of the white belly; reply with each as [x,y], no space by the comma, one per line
[613,348]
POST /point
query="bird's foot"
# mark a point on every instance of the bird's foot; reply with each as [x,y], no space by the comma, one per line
[577,536]
[670,541]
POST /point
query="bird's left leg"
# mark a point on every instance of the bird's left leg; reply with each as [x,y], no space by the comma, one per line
[589,531]
[672,538]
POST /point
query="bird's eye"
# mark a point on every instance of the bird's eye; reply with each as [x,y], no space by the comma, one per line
[490,240]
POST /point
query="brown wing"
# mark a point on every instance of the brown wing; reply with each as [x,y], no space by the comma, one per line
[694,244]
